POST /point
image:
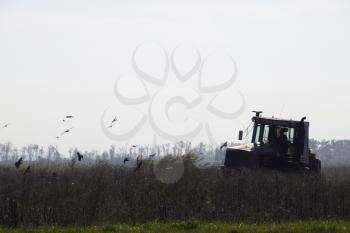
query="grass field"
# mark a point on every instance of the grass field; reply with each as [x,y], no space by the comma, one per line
[105,194]
[194,227]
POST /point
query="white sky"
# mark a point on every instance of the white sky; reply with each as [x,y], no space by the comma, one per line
[63,57]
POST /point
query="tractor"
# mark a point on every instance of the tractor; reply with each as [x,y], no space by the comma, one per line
[276,144]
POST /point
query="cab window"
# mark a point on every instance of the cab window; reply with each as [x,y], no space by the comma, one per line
[257,134]
[265,138]
[290,135]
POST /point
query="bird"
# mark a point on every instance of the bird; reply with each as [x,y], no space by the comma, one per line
[19,162]
[152,155]
[67,117]
[80,156]
[27,170]
[58,137]
[138,163]
[126,160]
[67,131]
[133,145]
[223,145]
[114,120]
[6,125]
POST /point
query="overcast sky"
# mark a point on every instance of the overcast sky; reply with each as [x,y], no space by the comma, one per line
[64,57]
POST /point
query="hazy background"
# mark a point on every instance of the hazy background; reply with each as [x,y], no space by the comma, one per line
[63,57]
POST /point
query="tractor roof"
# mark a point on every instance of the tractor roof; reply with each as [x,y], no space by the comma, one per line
[276,121]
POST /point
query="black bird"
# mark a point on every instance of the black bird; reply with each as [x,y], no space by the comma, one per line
[110,126]
[133,145]
[138,164]
[67,131]
[18,163]
[126,160]
[27,170]
[58,137]
[223,145]
[152,155]
[67,117]
[114,120]
[80,156]
[7,125]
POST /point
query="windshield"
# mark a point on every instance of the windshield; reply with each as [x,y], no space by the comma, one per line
[268,133]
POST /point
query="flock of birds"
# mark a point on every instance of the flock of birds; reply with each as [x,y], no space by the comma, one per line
[79,156]
[67,130]
[69,117]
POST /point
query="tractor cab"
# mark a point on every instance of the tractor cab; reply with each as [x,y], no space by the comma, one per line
[275,143]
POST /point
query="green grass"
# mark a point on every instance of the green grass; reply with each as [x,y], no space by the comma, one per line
[194,227]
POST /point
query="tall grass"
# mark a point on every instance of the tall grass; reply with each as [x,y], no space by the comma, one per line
[110,194]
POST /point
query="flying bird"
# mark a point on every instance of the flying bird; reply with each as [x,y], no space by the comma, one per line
[114,120]
[152,155]
[58,137]
[19,162]
[67,131]
[126,160]
[138,163]
[223,145]
[133,145]
[27,170]
[67,117]
[6,125]
[80,156]
[110,126]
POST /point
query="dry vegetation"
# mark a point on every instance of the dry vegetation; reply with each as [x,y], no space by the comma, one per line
[109,194]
